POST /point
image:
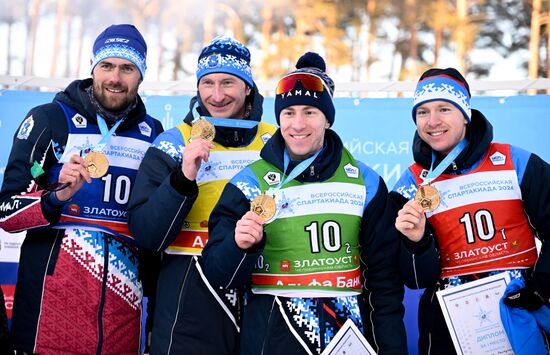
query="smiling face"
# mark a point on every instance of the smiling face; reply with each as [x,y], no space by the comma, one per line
[440,124]
[116,83]
[303,129]
[223,95]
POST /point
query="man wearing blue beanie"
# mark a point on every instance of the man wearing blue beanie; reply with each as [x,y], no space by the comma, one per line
[179,182]
[305,230]
[469,207]
[67,184]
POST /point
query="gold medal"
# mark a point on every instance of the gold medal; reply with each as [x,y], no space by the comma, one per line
[427,197]
[97,164]
[264,206]
[203,129]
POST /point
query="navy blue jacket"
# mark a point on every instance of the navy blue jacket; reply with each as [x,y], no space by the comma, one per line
[228,266]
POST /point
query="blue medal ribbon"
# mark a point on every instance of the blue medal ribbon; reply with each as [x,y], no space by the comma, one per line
[298,169]
[106,133]
[434,173]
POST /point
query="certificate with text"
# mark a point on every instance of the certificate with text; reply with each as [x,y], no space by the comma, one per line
[349,341]
[472,314]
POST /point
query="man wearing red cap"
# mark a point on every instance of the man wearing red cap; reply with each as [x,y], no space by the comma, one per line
[67,183]
[470,208]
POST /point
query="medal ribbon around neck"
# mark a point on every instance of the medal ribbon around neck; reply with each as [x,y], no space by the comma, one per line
[264,204]
[427,196]
[106,133]
[98,164]
[223,122]
[298,169]
[434,173]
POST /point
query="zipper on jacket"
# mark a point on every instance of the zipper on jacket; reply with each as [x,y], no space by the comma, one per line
[312,171]
[321,312]
[106,239]
[455,168]
[268,322]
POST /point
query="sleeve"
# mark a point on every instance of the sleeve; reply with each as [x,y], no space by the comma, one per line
[225,264]
[419,262]
[535,190]
[162,196]
[383,287]
[23,203]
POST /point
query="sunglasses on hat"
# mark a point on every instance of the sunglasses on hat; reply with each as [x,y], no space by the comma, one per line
[309,82]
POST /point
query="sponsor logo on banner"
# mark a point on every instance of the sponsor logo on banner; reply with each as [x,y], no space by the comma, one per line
[26,128]
[498,158]
[145,129]
[351,171]
[272,178]
[79,121]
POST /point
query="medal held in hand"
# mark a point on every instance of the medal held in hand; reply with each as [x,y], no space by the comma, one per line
[427,197]
[98,164]
[264,206]
[203,129]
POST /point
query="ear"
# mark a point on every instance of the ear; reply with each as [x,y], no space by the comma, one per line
[248,90]
[327,125]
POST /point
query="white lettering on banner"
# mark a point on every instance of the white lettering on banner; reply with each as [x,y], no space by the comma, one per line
[119,40]
[387,173]
[356,146]
[483,251]
[476,188]
[308,264]
[344,282]
[198,242]
[9,206]
[325,283]
[104,212]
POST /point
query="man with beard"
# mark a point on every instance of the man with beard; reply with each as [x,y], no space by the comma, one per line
[178,184]
[67,183]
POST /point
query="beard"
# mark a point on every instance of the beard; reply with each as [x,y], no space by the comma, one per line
[114,101]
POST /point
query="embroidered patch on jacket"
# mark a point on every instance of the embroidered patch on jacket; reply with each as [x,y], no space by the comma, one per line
[79,121]
[498,158]
[351,171]
[272,178]
[266,137]
[26,128]
[145,129]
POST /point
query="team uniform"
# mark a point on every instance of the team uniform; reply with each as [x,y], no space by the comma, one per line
[302,284]
[78,286]
[170,214]
[494,202]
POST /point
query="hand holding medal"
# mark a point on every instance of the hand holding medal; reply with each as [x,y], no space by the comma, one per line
[97,164]
[264,206]
[201,128]
[427,197]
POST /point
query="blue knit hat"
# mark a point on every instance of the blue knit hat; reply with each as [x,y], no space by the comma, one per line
[225,55]
[121,41]
[311,64]
[443,84]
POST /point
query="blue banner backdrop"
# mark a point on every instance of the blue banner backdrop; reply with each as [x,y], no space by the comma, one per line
[377,131]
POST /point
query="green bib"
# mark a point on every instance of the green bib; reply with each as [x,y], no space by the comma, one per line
[312,245]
